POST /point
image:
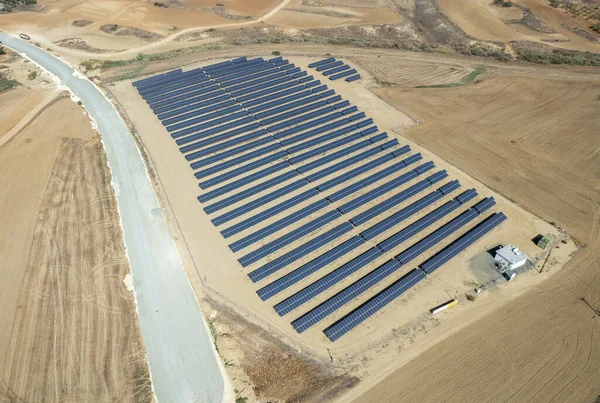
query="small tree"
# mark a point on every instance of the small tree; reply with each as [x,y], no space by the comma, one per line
[2,51]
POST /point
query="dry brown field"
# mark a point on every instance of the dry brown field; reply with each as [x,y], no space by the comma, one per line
[68,327]
[483,20]
[531,134]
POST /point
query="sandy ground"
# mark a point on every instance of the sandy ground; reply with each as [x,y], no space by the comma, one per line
[530,134]
[15,105]
[482,20]
[210,258]
[69,329]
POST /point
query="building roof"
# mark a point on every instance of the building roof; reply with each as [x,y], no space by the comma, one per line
[510,254]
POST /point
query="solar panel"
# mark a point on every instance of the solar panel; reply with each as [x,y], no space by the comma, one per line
[288,238]
[373,305]
[220,145]
[260,202]
[402,215]
[385,205]
[329,65]
[235,161]
[217,138]
[278,225]
[244,194]
[335,70]
[301,251]
[353,78]
[462,243]
[342,74]
[243,181]
[321,62]
[269,212]
[191,136]
[219,156]
[242,170]
[309,268]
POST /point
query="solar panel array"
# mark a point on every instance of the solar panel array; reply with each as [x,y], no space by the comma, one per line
[314,201]
[335,69]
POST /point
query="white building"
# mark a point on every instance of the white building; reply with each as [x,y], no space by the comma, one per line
[510,257]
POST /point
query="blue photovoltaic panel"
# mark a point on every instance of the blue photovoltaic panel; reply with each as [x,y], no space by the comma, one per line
[385,205]
[195,106]
[219,118]
[321,62]
[473,235]
[363,183]
[189,137]
[223,136]
[235,185]
[289,114]
[265,95]
[200,112]
[328,281]
[308,125]
[255,88]
[288,238]
[208,160]
[207,120]
[419,225]
[189,89]
[299,75]
[244,194]
[268,213]
[437,236]
[353,78]
[222,145]
[403,214]
[278,102]
[278,225]
[377,192]
[329,65]
[187,100]
[342,74]
[344,152]
[311,246]
[374,304]
[285,108]
[155,79]
[260,202]
[173,84]
[309,268]
[336,70]
[319,130]
[235,161]
[346,295]
[241,170]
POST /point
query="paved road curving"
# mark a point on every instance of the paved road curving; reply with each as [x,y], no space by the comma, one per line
[182,361]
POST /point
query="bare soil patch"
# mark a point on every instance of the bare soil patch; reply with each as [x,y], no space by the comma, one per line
[69,328]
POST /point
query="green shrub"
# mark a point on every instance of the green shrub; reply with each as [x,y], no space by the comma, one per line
[276,53]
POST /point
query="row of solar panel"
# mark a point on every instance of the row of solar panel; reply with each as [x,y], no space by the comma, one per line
[344,271]
[337,252]
[335,69]
[379,274]
[400,286]
[292,96]
[267,269]
[230,215]
[294,217]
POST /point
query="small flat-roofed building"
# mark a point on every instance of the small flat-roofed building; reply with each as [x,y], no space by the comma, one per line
[510,257]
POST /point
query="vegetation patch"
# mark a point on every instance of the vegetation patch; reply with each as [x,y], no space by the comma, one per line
[468,79]
[144,59]
[7,83]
